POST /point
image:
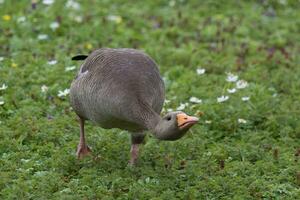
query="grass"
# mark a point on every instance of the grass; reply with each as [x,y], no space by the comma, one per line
[220,158]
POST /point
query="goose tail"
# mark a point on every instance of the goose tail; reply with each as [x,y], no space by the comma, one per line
[79,57]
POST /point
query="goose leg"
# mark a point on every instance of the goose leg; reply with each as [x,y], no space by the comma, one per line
[136,139]
[82,148]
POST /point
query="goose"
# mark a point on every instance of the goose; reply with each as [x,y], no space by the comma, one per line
[122,88]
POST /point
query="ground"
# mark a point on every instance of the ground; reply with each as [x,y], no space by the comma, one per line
[242,148]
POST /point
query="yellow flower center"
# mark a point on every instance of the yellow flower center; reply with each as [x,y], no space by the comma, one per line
[6,17]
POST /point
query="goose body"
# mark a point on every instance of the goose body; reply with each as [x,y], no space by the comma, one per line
[122,88]
[114,88]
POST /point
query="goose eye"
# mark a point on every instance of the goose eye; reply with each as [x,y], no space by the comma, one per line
[169,118]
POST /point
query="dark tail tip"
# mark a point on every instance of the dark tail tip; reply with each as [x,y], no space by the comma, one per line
[79,57]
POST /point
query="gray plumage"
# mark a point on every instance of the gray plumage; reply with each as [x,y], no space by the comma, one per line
[118,88]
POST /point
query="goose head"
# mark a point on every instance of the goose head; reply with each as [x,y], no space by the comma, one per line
[174,125]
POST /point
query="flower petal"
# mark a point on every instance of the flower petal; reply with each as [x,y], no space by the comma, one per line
[242,121]
[222,99]
[231,77]
[245,98]
[241,84]
[231,91]
[195,100]
[200,71]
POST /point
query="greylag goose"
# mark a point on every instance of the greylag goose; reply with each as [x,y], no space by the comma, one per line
[122,88]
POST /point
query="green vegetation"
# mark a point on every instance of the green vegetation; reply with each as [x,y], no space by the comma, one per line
[240,149]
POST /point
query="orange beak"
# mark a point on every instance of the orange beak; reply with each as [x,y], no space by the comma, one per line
[184,121]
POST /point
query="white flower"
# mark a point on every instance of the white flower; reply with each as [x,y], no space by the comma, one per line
[231,91]
[208,153]
[42,37]
[66,190]
[242,121]
[63,93]
[1,101]
[1,58]
[21,19]
[70,68]
[241,84]
[44,88]
[115,18]
[78,19]
[48,2]
[207,121]
[200,71]
[25,160]
[182,106]
[54,25]
[172,3]
[222,99]
[282,2]
[73,4]
[195,100]
[231,77]
[52,62]
[229,159]
[169,110]
[3,87]
[245,98]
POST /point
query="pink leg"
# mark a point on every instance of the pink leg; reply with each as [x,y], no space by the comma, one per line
[136,139]
[82,148]
[134,151]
